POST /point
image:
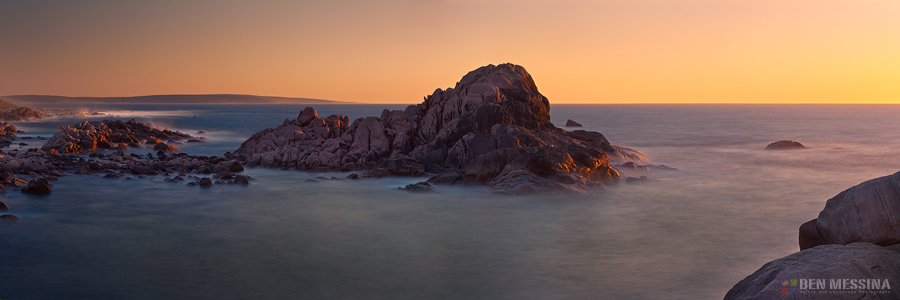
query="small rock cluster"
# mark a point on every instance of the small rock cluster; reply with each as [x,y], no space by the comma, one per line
[113,134]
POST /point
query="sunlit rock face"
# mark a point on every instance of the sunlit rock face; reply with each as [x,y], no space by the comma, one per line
[493,128]
[111,134]
[868,212]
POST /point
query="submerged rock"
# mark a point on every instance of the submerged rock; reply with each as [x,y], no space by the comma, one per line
[9,218]
[855,261]
[785,145]
[419,187]
[3,207]
[493,127]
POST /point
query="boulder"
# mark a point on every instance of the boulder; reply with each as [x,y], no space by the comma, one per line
[205,182]
[8,218]
[242,180]
[40,186]
[856,261]
[3,207]
[785,145]
[866,212]
[571,123]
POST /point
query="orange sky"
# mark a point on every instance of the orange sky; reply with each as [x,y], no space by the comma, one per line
[397,51]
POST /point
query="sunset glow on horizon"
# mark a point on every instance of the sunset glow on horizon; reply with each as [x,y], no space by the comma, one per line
[614,51]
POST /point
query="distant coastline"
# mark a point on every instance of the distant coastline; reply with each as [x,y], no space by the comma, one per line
[170,99]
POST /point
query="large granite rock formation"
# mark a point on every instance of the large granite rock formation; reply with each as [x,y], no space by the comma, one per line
[12,112]
[868,212]
[110,134]
[492,129]
[857,261]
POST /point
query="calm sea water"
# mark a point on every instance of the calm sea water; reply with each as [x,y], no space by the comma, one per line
[688,234]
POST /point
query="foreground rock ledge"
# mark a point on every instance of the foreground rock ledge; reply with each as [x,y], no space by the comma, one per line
[855,261]
[492,129]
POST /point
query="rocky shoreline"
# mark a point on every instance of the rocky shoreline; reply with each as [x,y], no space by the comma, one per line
[493,129]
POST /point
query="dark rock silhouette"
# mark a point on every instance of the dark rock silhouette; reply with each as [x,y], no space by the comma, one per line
[492,129]
[419,187]
[3,207]
[571,123]
[785,145]
[40,186]
[9,218]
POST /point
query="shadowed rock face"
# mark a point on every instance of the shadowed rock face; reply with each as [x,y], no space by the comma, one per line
[868,212]
[854,261]
[493,128]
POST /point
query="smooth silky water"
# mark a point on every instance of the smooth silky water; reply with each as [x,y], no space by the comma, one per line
[688,234]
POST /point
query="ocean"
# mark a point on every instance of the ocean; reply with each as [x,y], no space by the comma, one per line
[688,234]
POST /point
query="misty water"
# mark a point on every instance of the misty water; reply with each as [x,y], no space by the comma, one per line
[688,234]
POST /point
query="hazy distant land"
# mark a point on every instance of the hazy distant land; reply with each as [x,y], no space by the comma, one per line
[173,99]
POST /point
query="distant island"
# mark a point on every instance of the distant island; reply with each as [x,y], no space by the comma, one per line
[170,99]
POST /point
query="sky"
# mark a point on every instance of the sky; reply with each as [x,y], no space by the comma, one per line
[398,51]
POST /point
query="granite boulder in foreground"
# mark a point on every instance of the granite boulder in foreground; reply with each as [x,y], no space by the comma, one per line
[874,271]
[868,212]
[856,237]
[492,129]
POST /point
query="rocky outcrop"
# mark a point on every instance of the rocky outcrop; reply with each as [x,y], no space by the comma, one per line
[7,134]
[867,212]
[9,218]
[857,261]
[23,113]
[492,129]
[570,123]
[785,145]
[3,207]
[110,134]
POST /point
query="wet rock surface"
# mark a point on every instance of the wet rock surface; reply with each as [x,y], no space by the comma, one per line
[493,128]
